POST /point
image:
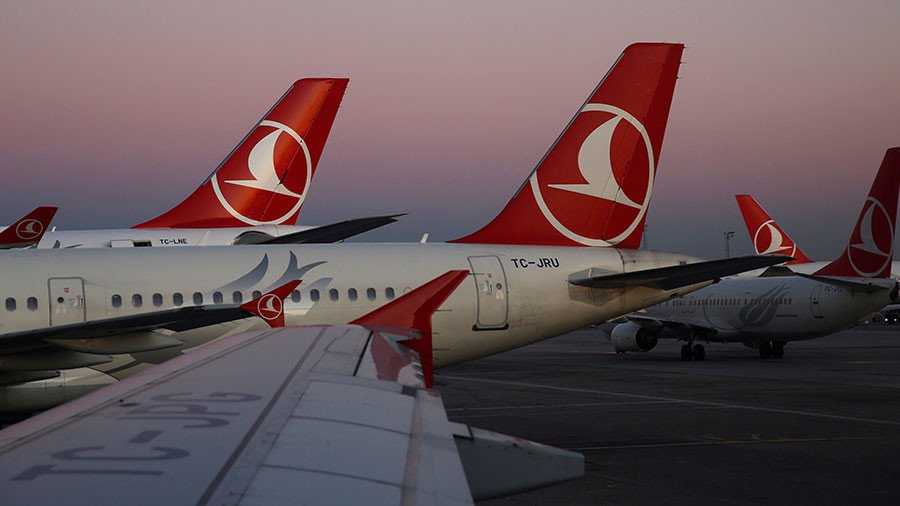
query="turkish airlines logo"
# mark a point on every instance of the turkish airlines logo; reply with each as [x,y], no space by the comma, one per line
[568,204]
[269,307]
[777,243]
[262,186]
[872,244]
[29,229]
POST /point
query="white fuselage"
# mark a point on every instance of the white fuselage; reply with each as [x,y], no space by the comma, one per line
[158,237]
[813,267]
[517,294]
[782,308]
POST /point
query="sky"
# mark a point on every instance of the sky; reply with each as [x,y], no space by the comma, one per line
[115,111]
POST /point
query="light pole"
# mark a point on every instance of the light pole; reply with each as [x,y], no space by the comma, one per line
[728,235]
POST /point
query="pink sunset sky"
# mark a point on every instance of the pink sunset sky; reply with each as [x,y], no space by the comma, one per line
[115,111]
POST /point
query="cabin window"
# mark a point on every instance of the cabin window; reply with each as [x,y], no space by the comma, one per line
[295,296]
[256,294]
[237,297]
[389,293]
[370,293]
[137,300]
[217,298]
[351,294]
[157,299]
[177,299]
[333,294]
[198,299]
[32,303]
[10,304]
[116,300]
[314,295]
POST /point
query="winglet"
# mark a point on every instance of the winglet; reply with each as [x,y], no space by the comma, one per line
[413,310]
[870,250]
[29,229]
[767,236]
[270,305]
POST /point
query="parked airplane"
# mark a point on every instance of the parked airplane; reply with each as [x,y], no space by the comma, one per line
[768,237]
[314,415]
[766,312]
[562,254]
[254,196]
[27,230]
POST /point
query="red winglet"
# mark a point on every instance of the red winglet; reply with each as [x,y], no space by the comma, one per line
[29,229]
[767,236]
[413,310]
[270,305]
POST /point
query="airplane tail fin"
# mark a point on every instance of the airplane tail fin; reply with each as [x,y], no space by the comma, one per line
[270,305]
[870,250]
[593,187]
[265,179]
[767,236]
[29,229]
[413,310]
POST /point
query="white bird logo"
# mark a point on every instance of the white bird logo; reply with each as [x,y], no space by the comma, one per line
[776,239]
[29,229]
[867,242]
[595,165]
[269,307]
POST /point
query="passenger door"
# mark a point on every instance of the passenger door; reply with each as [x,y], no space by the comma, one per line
[491,293]
[815,301]
[66,300]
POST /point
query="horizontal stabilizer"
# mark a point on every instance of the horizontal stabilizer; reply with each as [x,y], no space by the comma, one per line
[497,465]
[853,286]
[670,278]
[326,234]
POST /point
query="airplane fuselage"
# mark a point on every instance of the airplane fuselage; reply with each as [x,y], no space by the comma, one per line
[158,237]
[784,308]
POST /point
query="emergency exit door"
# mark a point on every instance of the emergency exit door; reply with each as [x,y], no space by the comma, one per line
[66,301]
[491,293]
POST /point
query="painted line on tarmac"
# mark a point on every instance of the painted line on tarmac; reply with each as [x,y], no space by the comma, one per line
[723,442]
[578,405]
[686,401]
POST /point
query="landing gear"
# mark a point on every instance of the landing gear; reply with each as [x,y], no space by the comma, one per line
[695,352]
[771,349]
[699,352]
[777,349]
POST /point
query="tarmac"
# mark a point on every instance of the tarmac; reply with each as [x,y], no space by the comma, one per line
[820,426]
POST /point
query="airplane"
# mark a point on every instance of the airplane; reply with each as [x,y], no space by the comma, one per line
[782,305]
[27,230]
[769,237]
[563,253]
[254,196]
[327,414]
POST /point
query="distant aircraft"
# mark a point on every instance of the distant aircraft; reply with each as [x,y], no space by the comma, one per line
[562,254]
[27,230]
[254,196]
[766,312]
[328,414]
[769,237]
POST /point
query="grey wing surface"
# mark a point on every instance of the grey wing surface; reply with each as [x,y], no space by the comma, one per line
[316,415]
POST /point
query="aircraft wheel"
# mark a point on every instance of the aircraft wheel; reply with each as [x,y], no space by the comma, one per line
[765,350]
[777,350]
[687,353]
[699,352]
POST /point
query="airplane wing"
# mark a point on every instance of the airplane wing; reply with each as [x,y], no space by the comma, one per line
[676,323]
[313,415]
[29,229]
[669,278]
[864,285]
[88,343]
[334,232]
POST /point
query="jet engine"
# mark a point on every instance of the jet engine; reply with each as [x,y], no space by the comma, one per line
[632,337]
[39,395]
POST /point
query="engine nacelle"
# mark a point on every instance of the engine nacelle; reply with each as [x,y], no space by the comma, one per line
[630,336]
[45,394]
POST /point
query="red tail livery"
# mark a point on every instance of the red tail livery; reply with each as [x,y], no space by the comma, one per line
[871,248]
[593,187]
[29,229]
[768,238]
[264,180]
